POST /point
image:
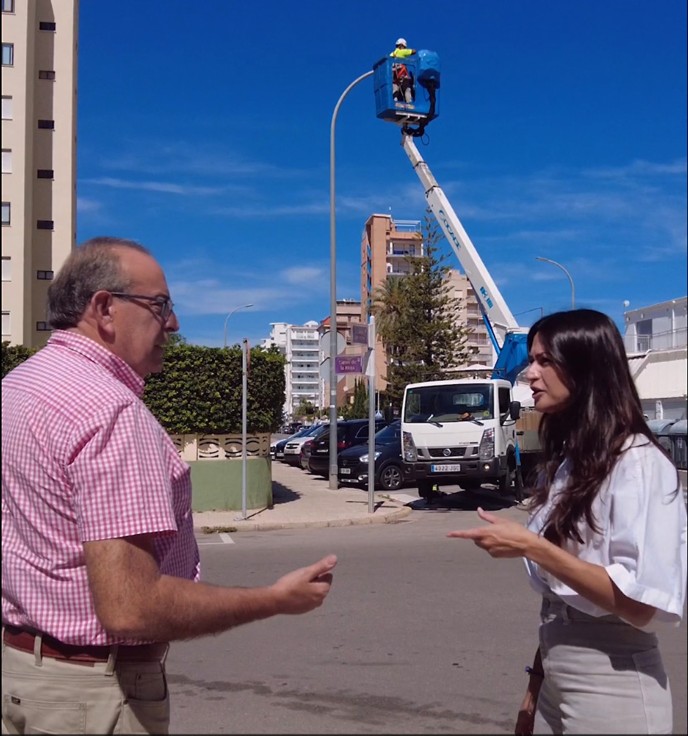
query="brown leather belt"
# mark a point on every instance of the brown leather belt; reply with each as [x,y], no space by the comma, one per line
[54,649]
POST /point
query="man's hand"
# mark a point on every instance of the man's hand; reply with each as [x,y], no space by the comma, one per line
[501,538]
[304,589]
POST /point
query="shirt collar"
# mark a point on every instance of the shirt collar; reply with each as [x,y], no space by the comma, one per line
[96,353]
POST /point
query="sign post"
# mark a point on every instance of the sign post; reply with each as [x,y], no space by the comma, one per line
[370,370]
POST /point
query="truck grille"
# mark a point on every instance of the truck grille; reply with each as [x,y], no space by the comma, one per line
[454,452]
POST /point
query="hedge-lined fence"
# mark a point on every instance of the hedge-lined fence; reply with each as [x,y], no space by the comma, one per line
[199,390]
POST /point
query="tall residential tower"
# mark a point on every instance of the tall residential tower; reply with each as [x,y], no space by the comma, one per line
[39,92]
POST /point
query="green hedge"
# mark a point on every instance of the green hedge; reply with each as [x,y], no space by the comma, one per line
[199,390]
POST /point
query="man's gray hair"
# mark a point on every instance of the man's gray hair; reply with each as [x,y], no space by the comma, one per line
[92,266]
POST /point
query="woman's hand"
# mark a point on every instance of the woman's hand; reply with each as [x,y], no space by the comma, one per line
[500,538]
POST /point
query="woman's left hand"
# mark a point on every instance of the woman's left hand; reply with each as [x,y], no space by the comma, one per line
[500,538]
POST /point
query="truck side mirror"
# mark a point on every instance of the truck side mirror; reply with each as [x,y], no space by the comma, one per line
[515,410]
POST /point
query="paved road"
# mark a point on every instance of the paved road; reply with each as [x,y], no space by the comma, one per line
[421,634]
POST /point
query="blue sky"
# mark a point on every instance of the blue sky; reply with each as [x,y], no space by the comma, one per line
[204,133]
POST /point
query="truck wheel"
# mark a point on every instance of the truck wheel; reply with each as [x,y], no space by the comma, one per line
[506,480]
[519,492]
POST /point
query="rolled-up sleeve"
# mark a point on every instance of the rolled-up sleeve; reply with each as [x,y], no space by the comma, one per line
[647,532]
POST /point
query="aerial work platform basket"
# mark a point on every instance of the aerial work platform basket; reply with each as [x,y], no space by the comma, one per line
[422,70]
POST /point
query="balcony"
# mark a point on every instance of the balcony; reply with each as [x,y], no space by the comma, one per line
[659,341]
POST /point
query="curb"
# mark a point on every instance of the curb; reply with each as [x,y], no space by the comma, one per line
[247,526]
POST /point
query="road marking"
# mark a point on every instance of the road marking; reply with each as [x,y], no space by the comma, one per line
[226,539]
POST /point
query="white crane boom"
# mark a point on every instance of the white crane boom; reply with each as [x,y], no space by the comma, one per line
[492,302]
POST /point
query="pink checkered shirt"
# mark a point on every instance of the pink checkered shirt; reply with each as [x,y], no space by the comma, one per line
[82,459]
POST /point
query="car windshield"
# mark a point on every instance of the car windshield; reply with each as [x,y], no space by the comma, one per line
[302,432]
[389,435]
[448,403]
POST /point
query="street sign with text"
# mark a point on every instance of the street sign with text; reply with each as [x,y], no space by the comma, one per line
[348,364]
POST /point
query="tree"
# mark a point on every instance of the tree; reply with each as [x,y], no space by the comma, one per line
[13,355]
[417,320]
[358,409]
[305,409]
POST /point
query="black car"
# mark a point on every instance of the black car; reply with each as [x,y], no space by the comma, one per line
[389,467]
[349,433]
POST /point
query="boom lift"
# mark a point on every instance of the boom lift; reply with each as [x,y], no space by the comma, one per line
[461,430]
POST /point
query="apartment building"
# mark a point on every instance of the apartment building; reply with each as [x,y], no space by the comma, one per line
[300,344]
[386,246]
[39,108]
[657,348]
[348,314]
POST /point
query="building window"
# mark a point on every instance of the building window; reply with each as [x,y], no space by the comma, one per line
[6,213]
[44,275]
[46,25]
[6,268]
[5,324]
[46,124]
[42,327]
[45,224]
[46,74]
[45,174]
[6,107]
[6,161]
[8,54]
[8,6]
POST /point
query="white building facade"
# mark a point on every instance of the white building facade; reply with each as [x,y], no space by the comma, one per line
[300,344]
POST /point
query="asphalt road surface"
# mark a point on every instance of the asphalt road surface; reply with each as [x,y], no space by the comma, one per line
[420,635]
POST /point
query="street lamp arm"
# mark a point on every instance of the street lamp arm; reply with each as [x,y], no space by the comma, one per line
[236,309]
[568,276]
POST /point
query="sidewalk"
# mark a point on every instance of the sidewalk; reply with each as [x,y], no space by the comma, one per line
[304,500]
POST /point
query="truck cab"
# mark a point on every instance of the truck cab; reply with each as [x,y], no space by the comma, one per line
[460,431]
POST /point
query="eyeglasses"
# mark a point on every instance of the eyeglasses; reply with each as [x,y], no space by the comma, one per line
[165,304]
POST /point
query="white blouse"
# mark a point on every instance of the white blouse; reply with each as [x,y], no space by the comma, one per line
[642,534]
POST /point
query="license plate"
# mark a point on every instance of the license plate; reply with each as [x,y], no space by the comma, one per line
[454,468]
[345,471]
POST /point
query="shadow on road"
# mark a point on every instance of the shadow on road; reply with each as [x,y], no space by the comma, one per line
[466,501]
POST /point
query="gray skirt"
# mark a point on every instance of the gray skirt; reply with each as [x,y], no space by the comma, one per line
[602,675]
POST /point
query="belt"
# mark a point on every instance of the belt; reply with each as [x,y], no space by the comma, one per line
[54,649]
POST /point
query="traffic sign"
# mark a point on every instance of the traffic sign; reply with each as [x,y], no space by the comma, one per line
[359,334]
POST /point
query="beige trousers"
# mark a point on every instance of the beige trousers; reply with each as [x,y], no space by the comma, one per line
[43,695]
[602,676]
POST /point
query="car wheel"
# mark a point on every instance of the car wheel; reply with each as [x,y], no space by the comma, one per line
[391,477]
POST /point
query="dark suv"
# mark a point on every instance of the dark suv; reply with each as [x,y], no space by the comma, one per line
[349,433]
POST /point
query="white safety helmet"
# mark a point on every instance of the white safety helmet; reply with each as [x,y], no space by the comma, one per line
[401,42]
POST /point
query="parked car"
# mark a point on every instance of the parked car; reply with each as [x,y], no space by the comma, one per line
[292,447]
[277,446]
[352,463]
[305,453]
[349,433]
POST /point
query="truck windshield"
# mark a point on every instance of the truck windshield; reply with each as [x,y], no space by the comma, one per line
[452,403]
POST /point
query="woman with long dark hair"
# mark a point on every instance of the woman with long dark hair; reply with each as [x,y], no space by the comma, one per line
[605,543]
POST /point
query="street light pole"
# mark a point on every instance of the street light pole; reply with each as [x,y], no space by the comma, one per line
[568,275]
[333,290]
[243,306]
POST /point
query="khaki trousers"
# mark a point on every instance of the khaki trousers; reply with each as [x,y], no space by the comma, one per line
[44,695]
[602,676]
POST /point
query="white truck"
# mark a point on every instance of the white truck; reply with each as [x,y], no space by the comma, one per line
[460,431]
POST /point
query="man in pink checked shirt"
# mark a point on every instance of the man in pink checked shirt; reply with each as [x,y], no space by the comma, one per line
[100,565]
